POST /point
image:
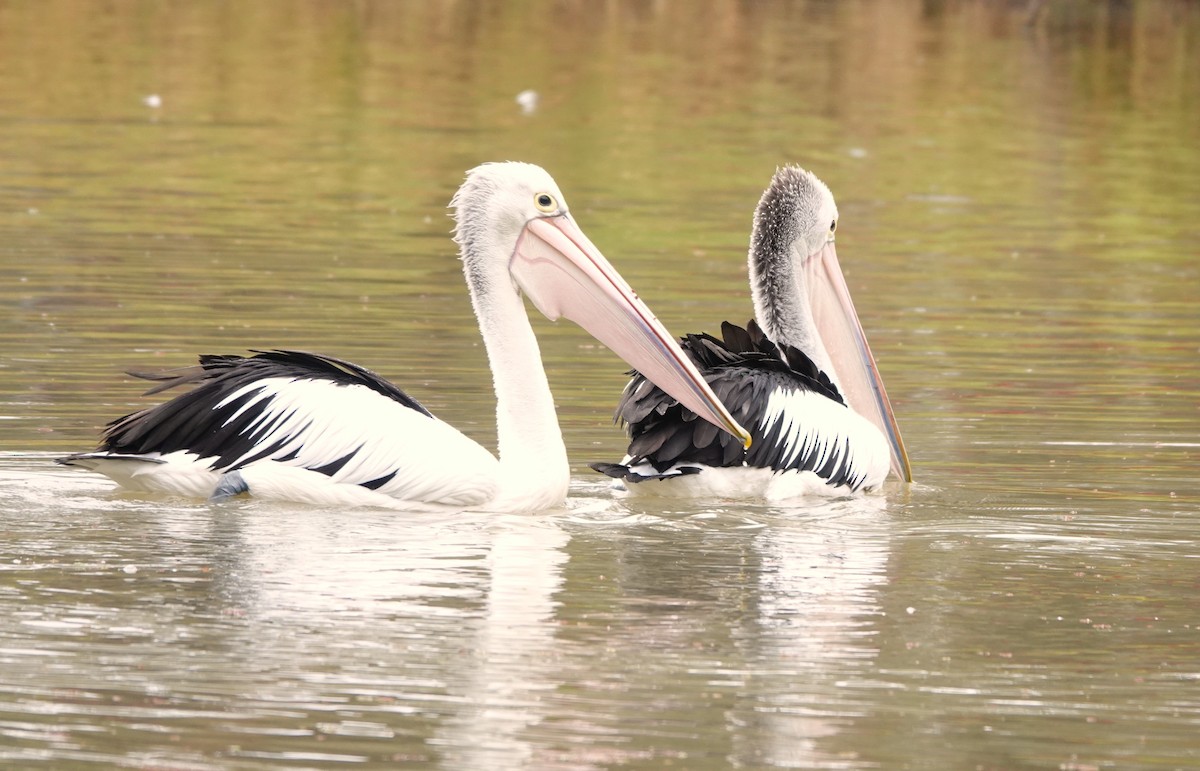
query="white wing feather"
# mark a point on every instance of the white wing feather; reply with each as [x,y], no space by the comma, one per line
[812,425]
[315,423]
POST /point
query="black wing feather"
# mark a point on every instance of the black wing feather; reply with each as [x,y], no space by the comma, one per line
[743,369]
[196,420]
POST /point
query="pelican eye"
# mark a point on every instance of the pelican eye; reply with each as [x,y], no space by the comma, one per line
[545,202]
[833,226]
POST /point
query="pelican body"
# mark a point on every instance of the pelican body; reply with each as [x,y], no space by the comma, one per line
[800,378]
[304,427]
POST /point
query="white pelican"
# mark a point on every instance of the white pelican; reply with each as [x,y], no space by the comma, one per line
[309,428]
[801,378]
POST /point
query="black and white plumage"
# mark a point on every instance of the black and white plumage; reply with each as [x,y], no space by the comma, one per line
[325,429]
[765,385]
[803,383]
[303,427]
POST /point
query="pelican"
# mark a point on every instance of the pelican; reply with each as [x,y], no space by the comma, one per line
[801,378]
[303,427]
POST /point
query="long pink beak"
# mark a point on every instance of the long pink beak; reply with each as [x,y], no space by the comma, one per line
[846,343]
[565,275]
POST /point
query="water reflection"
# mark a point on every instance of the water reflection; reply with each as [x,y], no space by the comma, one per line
[814,638]
[468,603]
[573,639]
[508,677]
[760,615]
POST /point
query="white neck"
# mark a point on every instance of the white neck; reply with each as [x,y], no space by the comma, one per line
[781,305]
[533,459]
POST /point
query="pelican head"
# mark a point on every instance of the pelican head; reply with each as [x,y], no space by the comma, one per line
[514,230]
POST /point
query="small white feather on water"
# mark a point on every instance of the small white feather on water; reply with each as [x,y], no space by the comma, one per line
[528,100]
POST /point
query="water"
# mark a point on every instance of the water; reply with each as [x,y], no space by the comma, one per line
[1018,225]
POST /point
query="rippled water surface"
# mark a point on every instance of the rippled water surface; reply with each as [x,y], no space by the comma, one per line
[1018,193]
